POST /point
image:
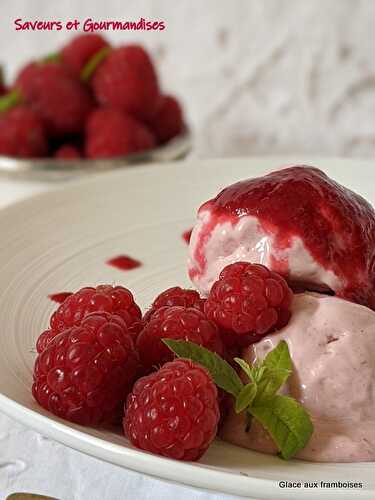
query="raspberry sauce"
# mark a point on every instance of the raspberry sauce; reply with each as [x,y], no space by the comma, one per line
[124,262]
[186,235]
[59,297]
[336,226]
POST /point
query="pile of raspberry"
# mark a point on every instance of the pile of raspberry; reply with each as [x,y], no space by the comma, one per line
[89,100]
[101,361]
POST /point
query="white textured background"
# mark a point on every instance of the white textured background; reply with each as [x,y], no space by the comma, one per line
[256,77]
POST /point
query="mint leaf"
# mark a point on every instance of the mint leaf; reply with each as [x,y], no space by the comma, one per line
[279,357]
[223,374]
[254,372]
[259,373]
[246,368]
[286,420]
[245,397]
[271,382]
[277,366]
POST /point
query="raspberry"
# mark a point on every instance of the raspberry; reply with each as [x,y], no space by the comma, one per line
[60,100]
[111,133]
[126,80]
[44,339]
[173,412]
[175,323]
[67,152]
[22,134]
[168,121]
[176,296]
[28,74]
[48,335]
[249,300]
[80,50]
[118,300]
[85,373]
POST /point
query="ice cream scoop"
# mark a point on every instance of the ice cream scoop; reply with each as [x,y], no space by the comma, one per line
[332,346]
[296,221]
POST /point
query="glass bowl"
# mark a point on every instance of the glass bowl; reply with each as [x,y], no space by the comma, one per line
[56,169]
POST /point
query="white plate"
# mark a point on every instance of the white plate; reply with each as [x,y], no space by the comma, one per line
[60,241]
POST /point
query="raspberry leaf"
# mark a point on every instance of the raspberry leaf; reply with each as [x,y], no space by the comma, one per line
[89,69]
[286,420]
[245,397]
[222,373]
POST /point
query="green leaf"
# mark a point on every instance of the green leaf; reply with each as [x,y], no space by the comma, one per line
[223,374]
[286,420]
[279,357]
[277,366]
[271,382]
[245,397]
[259,373]
[246,368]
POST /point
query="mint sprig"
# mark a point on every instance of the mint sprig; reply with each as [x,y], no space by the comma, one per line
[283,417]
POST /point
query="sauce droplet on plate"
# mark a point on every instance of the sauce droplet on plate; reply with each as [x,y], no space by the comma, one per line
[124,262]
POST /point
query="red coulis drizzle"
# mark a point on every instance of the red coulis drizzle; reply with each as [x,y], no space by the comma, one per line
[336,225]
[59,297]
[124,262]
[186,235]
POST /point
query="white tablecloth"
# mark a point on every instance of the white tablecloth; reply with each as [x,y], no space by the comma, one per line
[29,462]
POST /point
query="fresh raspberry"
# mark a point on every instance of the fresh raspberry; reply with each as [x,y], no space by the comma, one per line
[178,323]
[22,134]
[176,296]
[168,121]
[27,74]
[48,335]
[127,80]
[67,152]
[173,412]
[117,300]
[249,300]
[111,133]
[85,373]
[80,50]
[44,339]
[60,100]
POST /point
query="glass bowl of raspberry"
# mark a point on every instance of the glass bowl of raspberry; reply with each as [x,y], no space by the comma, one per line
[88,107]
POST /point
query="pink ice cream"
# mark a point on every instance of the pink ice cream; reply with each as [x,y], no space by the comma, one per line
[332,345]
[296,221]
